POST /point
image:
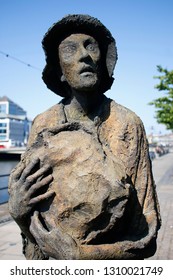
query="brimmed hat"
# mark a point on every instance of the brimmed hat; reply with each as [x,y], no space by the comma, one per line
[62,29]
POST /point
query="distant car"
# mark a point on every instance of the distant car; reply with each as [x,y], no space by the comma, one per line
[2,147]
[152,155]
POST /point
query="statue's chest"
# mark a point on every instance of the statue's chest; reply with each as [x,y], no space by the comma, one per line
[85,180]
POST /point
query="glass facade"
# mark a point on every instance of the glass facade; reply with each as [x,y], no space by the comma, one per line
[3,130]
[14,109]
[3,125]
[3,108]
[14,125]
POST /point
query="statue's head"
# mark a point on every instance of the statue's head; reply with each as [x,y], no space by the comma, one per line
[66,27]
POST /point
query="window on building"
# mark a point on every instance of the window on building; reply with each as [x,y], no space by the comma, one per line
[3,131]
[3,125]
[3,136]
[3,108]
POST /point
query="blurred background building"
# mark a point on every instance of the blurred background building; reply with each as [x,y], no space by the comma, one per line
[14,124]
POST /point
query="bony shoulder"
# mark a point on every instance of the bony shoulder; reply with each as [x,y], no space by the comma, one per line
[46,120]
[50,117]
[125,114]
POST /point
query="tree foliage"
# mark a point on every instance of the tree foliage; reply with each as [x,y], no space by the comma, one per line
[164,105]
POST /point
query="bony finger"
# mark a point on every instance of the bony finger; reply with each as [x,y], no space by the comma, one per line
[29,168]
[50,223]
[46,179]
[41,197]
[36,225]
[40,172]
[42,183]
[33,224]
[16,173]
[35,229]
[34,218]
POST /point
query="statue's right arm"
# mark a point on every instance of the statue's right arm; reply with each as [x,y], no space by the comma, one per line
[26,185]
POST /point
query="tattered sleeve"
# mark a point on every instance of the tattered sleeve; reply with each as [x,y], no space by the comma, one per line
[146,214]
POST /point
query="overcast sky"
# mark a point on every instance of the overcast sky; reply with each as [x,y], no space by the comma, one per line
[143,33]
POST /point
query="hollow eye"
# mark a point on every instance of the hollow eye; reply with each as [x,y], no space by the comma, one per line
[69,48]
[92,47]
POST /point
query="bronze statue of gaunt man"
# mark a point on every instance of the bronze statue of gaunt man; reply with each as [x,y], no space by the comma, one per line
[84,188]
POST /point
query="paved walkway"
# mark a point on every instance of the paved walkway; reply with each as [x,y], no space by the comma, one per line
[164,182]
[10,242]
[10,239]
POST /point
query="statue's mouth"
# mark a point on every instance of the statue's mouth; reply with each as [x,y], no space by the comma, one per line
[86,70]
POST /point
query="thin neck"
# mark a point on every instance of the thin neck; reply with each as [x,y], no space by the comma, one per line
[84,105]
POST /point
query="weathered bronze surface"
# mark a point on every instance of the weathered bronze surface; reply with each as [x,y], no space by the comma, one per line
[84,188]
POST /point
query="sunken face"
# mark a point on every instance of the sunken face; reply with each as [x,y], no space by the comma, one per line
[79,56]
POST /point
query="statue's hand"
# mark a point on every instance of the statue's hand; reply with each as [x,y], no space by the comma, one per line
[53,242]
[27,188]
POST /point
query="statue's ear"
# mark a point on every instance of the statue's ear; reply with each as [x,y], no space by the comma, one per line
[111,58]
[63,79]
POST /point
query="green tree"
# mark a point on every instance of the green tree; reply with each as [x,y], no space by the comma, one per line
[164,105]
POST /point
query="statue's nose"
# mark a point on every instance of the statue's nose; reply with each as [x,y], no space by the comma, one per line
[83,53]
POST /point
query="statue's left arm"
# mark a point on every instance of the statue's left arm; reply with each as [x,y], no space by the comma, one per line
[146,220]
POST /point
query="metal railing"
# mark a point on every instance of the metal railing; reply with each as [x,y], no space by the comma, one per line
[3,188]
